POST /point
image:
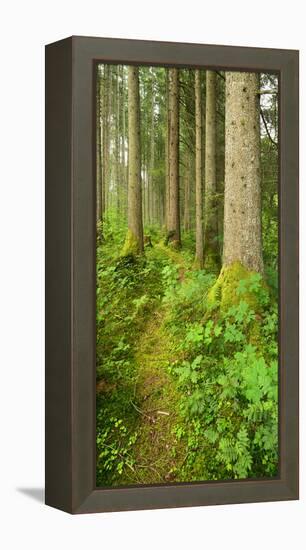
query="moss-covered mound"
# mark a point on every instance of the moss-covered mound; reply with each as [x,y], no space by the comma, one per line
[226,291]
[131,245]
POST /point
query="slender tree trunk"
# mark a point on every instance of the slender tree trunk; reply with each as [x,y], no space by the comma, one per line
[110,164]
[117,141]
[98,145]
[147,197]
[134,239]
[220,160]
[211,249]
[106,137]
[167,151]
[187,191]
[242,201]
[102,103]
[123,144]
[152,153]
[199,256]
[174,233]
[162,208]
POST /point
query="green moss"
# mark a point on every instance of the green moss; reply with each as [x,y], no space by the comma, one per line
[224,293]
[155,390]
[131,245]
[172,253]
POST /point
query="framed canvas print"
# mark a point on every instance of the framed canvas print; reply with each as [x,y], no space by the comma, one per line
[171,274]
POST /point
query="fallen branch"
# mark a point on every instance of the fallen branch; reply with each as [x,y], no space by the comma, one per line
[147,413]
[140,411]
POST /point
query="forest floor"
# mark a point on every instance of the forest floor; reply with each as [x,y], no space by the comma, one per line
[166,407]
[158,395]
[157,454]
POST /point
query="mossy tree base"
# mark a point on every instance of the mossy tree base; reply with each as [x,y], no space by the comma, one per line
[175,244]
[224,293]
[132,245]
[173,240]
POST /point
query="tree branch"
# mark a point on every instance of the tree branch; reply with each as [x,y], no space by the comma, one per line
[267,129]
[261,92]
[220,74]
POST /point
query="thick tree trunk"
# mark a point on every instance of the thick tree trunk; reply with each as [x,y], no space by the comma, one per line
[174,234]
[134,239]
[199,256]
[211,249]
[242,201]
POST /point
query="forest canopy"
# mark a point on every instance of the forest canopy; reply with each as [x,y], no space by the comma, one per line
[187,274]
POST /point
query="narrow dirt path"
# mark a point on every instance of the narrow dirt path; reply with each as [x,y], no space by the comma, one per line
[158,401]
[157,452]
[175,257]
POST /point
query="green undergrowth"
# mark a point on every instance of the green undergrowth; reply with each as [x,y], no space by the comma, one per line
[228,378]
[128,291]
[185,391]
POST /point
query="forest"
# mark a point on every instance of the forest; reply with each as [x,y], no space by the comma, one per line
[187,274]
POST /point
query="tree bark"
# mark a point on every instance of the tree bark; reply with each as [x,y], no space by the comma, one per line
[123,142]
[220,158]
[199,256]
[134,239]
[242,201]
[167,151]
[174,233]
[187,191]
[106,137]
[117,142]
[152,154]
[98,145]
[211,249]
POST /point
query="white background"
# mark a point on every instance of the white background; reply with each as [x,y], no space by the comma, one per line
[25,27]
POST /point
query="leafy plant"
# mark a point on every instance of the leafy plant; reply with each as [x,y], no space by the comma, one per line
[230,387]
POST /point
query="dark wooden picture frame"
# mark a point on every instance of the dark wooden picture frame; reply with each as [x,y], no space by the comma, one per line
[71,275]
